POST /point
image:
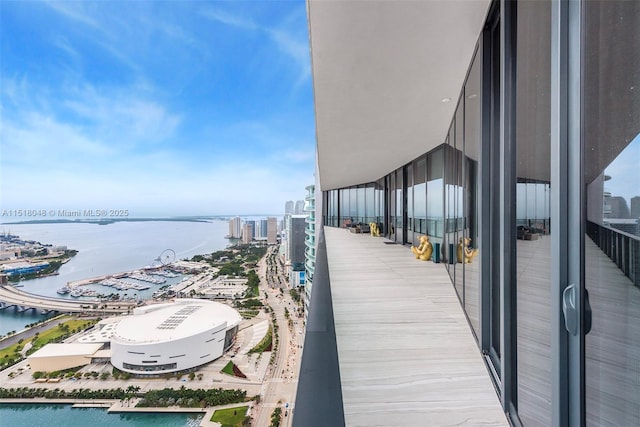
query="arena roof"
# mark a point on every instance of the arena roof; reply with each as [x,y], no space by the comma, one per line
[65,350]
[179,319]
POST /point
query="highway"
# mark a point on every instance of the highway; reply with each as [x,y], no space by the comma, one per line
[10,295]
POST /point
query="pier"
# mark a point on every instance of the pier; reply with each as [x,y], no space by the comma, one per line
[144,275]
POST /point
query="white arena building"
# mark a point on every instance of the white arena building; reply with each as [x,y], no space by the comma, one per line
[173,337]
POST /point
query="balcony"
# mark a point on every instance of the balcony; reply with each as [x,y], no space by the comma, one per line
[403,352]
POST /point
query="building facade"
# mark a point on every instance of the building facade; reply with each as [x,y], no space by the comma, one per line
[492,126]
[310,244]
[262,229]
[173,337]
[272,230]
[296,241]
[247,232]
[288,207]
[235,228]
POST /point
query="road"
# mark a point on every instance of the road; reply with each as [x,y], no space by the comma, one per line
[280,384]
[11,295]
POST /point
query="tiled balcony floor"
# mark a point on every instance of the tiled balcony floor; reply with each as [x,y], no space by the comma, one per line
[406,352]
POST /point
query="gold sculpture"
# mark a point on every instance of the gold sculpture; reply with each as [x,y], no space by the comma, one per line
[469,254]
[424,250]
[375,231]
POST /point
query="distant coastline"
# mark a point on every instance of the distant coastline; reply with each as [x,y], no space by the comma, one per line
[107,221]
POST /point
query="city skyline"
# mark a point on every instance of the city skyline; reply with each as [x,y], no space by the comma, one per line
[157,108]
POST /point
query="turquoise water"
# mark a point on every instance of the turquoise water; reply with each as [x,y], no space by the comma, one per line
[65,416]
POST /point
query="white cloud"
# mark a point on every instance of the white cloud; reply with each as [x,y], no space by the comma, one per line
[299,156]
[75,11]
[291,46]
[228,19]
[116,141]
[294,48]
[63,44]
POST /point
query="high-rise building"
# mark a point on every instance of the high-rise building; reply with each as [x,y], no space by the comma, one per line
[263,229]
[288,207]
[310,245]
[247,232]
[299,208]
[252,223]
[619,208]
[235,228]
[635,207]
[272,230]
[295,233]
[485,126]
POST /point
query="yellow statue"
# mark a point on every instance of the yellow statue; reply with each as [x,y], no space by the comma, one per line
[469,254]
[375,231]
[424,251]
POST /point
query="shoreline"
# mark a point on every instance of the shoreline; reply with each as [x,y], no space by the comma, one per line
[116,406]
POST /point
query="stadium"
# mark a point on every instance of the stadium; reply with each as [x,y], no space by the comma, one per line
[173,337]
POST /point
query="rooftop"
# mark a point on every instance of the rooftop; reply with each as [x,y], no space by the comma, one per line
[179,319]
[53,350]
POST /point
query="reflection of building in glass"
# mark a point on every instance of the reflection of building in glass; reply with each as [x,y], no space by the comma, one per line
[497,146]
[635,207]
[619,208]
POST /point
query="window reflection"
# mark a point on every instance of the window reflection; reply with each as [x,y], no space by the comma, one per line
[471,202]
[533,211]
[611,120]
[533,191]
[435,196]
[420,198]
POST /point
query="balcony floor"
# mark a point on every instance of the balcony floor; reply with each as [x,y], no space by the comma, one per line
[406,352]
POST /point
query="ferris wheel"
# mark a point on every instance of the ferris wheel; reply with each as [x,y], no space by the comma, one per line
[167,257]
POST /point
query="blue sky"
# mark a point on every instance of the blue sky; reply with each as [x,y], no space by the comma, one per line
[162,108]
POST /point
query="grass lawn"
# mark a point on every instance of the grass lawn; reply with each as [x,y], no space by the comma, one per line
[46,336]
[55,332]
[228,369]
[264,343]
[9,353]
[230,417]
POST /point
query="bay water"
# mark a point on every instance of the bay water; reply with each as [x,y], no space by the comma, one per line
[29,415]
[109,249]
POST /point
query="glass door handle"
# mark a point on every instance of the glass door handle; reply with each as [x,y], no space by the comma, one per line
[569,309]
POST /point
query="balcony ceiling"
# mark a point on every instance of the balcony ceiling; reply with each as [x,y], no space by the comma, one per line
[381,70]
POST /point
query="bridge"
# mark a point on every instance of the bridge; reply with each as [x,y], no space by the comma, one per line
[13,297]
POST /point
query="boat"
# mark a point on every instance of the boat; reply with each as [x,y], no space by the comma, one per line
[64,290]
[76,293]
